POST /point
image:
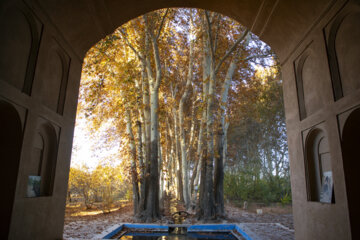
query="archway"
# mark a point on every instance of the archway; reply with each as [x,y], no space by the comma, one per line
[105,80]
[350,150]
[10,148]
[316,41]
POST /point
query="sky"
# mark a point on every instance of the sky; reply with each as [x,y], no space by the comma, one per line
[87,150]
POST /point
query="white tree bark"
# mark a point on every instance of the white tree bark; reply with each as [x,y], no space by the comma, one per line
[132,150]
[184,98]
[154,85]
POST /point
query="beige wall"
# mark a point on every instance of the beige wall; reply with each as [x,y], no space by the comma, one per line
[41,51]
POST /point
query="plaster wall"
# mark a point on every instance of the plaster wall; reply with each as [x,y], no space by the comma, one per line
[41,51]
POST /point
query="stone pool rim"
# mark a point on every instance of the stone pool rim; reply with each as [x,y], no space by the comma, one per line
[190,228]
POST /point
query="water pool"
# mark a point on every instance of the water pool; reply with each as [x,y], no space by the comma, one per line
[187,236]
[177,232]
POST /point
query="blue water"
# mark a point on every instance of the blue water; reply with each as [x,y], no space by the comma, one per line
[167,236]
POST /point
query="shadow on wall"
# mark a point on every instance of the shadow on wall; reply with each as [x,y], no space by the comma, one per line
[351,157]
[10,148]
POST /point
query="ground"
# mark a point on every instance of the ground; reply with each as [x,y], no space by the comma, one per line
[274,223]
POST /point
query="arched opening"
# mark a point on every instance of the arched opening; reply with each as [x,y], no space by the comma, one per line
[10,149]
[350,151]
[115,87]
[292,28]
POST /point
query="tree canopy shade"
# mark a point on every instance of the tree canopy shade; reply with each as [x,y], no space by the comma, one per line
[172,83]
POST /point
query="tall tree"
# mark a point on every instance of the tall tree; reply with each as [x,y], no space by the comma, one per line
[182,105]
[184,98]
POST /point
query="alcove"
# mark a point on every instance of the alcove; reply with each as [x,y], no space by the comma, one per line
[318,167]
[44,154]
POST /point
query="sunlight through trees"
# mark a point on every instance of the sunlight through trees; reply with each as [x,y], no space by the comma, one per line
[193,97]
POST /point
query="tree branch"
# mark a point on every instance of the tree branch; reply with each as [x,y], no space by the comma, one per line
[233,47]
[256,56]
[130,45]
[217,34]
[209,34]
[162,23]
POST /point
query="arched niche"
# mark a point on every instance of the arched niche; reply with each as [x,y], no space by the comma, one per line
[48,163]
[351,160]
[299,66]
[343,37]
[20,43]
[10,150]
[44,154]
[348,52]
[54,63]
[318,167]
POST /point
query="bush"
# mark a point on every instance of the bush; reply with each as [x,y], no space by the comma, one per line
[243,186]
[128,195]
[286,199]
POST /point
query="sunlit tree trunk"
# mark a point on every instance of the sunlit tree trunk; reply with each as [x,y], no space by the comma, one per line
[208,194]
[202,148]
[191,149]
[172,169]
[222,133]
[199,151]
[141,139]
[152,206]
[183,144]
[178,159]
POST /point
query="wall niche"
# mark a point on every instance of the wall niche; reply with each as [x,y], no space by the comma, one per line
[20,40]
[44,156]
[342,36]
[311,75]
[319,179]
[52,73]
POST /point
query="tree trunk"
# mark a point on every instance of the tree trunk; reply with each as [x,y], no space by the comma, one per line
[209,209]
[172,158]
[185,96]
[180,187]
[152,206]
[219,176]
[161,173]
[222,142]
[142,167]
[206,199]
[132,150]
[146,132]
[192,180]
[199,151]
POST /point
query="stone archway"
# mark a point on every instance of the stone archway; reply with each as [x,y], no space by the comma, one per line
[10,148]
[41,51]
[350,150]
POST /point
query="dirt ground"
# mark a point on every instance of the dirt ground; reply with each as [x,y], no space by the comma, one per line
[274,223]
[90,224]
